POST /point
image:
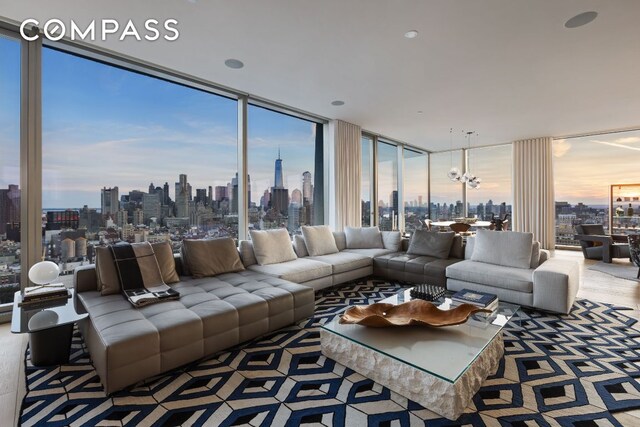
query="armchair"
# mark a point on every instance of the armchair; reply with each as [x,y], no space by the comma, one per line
[598,245]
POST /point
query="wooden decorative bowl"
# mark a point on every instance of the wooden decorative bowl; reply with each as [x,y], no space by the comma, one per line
[412,313]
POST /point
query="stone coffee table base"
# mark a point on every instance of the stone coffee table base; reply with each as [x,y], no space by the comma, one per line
[442,397]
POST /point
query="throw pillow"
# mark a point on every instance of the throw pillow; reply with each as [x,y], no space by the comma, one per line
[391,240]
[431,243]
[272,246]
[363,238]
[166,261]
[319,240]
[106,272]
[506,248]
[299,246]
[247,255]
[208,258]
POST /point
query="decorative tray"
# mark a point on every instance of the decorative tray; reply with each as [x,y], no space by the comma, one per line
[412,313]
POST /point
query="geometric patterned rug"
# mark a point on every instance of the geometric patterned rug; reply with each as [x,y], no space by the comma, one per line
[574,370]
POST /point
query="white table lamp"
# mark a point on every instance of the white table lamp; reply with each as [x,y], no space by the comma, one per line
[44,273]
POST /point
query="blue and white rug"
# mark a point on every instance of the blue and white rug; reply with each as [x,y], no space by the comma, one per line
[573,370]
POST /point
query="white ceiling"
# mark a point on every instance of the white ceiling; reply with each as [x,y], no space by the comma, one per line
[507,69]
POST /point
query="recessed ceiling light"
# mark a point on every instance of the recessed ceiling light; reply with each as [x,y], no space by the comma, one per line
[420,112]
[411,34]
[234,63]
[581,19]
[337,103]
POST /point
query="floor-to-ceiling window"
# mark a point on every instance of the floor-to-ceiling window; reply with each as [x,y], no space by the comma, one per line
[129,157]
[415,188]
[584,169]
[10,191]
[387,186]
[493,196]
[446,195]
[285,171]
[366,190]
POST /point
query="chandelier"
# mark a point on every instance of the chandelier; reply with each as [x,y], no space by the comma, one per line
[454,172]
[468,177]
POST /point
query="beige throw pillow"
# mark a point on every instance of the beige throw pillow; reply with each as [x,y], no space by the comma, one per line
[106,273]
[272,246]
[166,261]
[207,258]
[319,240]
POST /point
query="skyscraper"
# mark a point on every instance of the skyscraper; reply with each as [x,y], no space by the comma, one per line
[221,193]
[279,194]
[307,187]
[182,197]
[9,207]
[278,182]
[166,194]
[110,201]
[151,206]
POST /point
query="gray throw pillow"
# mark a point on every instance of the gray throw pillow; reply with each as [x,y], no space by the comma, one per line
[106,272]
[431,243]
[363,238]
[391,240]
[506,248]
[319,240]
[272,246]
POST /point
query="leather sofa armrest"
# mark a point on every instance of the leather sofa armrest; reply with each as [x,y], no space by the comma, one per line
[85,279]
[555,285]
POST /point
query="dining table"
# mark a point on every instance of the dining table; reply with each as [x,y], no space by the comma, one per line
[477,224]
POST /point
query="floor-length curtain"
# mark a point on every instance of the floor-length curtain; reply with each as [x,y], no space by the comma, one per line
[533,197]
[348,171]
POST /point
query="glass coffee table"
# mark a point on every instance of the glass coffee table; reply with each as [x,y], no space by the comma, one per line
[439,368]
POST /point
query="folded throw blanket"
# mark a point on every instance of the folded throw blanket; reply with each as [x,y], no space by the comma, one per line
[139,274]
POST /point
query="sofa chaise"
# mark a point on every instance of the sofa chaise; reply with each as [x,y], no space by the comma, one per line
[129,344]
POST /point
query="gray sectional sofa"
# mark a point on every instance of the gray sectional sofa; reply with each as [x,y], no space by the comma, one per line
[130,344]
[390,262]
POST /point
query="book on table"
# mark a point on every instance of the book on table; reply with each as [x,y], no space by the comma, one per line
[36,295]
[477,298]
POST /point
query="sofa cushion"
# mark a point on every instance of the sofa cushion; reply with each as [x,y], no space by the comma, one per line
[457,248]
[391,240]
[299,270]
[341,240]
[512,278]
[505,248]
[272,246]
[535,255]
[344,261]
[299,246]
[208,258]
[371,253]
[247,255]
[319,240]
[363,237]
[431,243]
[166,261]
[106,273]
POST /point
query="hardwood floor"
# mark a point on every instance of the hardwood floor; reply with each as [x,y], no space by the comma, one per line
[594,285]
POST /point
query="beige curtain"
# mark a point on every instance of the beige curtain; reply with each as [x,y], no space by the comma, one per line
[533,197]
[348,165]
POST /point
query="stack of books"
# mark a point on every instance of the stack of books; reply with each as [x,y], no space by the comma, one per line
[37,295]
[479,299]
